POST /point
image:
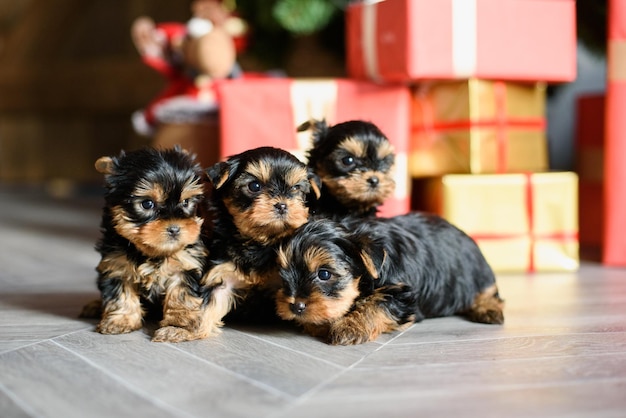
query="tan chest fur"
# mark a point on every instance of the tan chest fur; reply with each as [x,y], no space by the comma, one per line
[153,275]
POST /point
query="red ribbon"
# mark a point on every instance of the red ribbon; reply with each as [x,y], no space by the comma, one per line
[530,216]
[501,123]
[499,90]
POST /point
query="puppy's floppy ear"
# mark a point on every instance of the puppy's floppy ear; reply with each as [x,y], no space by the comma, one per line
[106,165]
[219,173]
[319,128]
[371,262]
[373,255]
[305,126]
[313,124]
[316,184]
[179,148]
[281,257]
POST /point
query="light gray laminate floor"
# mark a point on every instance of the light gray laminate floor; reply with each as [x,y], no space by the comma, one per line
[561,352]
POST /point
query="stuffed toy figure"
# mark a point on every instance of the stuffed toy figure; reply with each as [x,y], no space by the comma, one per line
[191,56]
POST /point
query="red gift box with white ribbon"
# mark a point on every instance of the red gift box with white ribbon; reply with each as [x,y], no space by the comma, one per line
[266,112]
[402,40]
[614,248]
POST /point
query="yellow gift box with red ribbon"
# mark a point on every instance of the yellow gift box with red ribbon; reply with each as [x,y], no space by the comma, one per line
[522,222]
[477,126]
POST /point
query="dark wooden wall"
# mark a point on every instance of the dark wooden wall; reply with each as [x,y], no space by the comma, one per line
[70,78]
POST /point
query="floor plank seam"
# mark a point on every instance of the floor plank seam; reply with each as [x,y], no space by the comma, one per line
[32,343]
[454,392]
[488,361]
[308,394]
[291,349]
[151,399]
[510,337]
[19,402]
[245,378]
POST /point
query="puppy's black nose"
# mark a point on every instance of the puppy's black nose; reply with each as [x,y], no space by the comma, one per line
[297,307]
[373,181]
[281,208]
[173,230]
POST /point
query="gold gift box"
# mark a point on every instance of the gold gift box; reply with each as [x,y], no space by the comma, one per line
[521,222]
[477,126]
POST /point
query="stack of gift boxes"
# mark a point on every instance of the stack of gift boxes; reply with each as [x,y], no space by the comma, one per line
[601,146]
[477,71]
[458,86]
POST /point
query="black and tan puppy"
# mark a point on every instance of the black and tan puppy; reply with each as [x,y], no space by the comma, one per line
[354,161]
[258,199]
[349,282]
[153,250]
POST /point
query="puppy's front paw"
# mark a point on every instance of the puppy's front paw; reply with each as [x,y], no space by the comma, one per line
[490,316]
[171,334]
[348,331]
[118,325]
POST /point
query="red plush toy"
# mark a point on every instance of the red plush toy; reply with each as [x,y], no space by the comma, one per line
[191,56]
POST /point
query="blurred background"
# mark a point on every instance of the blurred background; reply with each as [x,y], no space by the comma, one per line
[70,76]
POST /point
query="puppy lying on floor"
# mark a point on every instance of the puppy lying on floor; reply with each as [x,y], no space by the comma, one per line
[347,282]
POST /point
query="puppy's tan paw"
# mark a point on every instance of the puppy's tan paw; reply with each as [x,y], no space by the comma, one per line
[118,325]
[490,316]
[171,334]
[349,332]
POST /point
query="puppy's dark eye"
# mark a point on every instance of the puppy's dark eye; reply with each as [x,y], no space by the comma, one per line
[348,161]
[254,186]
[323,274]
[147,204]
[296,188]
[185,203]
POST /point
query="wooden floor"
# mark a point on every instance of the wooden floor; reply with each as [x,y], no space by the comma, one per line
[561,352]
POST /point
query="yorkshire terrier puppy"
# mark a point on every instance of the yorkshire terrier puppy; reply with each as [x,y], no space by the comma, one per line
[354,161]
[349,282]
[153,249]
[259,198]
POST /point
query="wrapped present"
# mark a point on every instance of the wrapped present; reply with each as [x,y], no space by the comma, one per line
[614,249]
[477,126]
[521,222]
[590,169]
[267,111]
[401,40]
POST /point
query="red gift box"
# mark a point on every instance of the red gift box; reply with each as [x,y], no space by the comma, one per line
[402,40]
[590,166]
[267,111]
[614,249]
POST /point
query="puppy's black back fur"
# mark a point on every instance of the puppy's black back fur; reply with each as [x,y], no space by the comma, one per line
[443,266]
